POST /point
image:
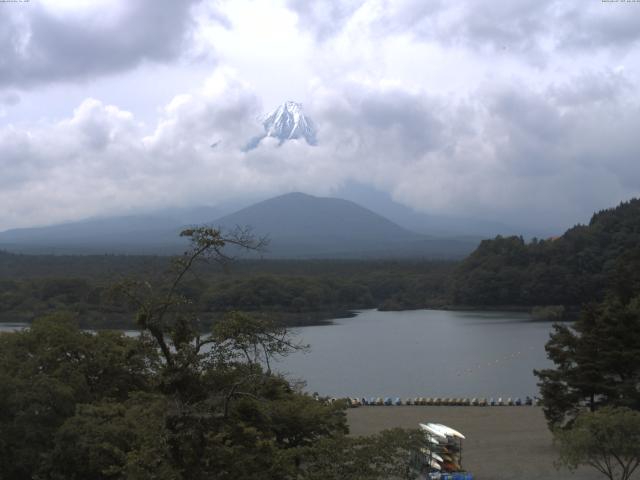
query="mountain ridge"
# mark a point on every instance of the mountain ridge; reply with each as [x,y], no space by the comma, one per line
[299,225]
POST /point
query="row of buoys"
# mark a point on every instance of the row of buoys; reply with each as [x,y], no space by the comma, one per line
[470,402]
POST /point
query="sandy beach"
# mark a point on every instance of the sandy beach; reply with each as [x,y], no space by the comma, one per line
[502,442]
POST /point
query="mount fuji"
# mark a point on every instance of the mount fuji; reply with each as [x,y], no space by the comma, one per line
[287,122]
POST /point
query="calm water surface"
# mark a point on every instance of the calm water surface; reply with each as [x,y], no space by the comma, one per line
[422,353]
[430,353]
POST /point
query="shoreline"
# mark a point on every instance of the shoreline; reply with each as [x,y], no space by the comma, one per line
[315,318]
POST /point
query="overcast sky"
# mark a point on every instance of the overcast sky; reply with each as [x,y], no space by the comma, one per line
[523,111]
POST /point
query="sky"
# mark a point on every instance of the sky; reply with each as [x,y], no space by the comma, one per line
[520,111]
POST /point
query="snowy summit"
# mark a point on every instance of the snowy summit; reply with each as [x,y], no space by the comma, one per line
[287,122]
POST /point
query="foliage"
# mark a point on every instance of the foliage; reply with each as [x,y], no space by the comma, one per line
[109,439]
[607,440]
[382,456]
[171,403]
[49,369]
[578,267]
[253,339]
[597,361]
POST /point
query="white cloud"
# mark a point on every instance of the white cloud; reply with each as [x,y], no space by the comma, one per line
[535,28]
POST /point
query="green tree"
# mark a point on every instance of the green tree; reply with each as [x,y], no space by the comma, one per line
[50,369]
[597,361]
[227,415]
[607,440]
[173,403]
[382,456]
[251,339]
[107,440]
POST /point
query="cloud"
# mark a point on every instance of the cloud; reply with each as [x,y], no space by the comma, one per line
[590,87]
[101,159]
[546,155]
[326,18]
[594,26]
[356,116]
[223,112]
[530,29]
[40,45]
[10,99]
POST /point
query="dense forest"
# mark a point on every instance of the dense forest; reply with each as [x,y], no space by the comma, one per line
[298,292]
[570,270]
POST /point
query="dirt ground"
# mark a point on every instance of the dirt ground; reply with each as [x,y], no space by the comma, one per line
[502,442]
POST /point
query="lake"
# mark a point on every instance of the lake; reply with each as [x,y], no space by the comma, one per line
[430,353]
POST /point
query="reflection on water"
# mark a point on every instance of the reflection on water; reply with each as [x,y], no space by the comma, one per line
[423,353]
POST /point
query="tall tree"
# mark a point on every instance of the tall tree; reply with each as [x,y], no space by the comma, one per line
[172,403]
[597,361]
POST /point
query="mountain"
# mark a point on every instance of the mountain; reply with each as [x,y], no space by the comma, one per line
[154,232]
[287,122]
[298,225]
[304,226]
[431,224]
[127,234]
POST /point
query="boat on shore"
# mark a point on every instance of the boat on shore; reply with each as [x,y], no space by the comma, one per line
[440,458]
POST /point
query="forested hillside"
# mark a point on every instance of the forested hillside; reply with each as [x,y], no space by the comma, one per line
[572,269]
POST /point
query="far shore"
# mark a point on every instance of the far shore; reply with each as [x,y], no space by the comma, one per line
[502,443]
[312,318]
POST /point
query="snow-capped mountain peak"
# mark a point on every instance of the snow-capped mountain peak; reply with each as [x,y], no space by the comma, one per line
[287,122]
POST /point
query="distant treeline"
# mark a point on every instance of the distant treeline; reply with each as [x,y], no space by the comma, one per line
[297,292]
